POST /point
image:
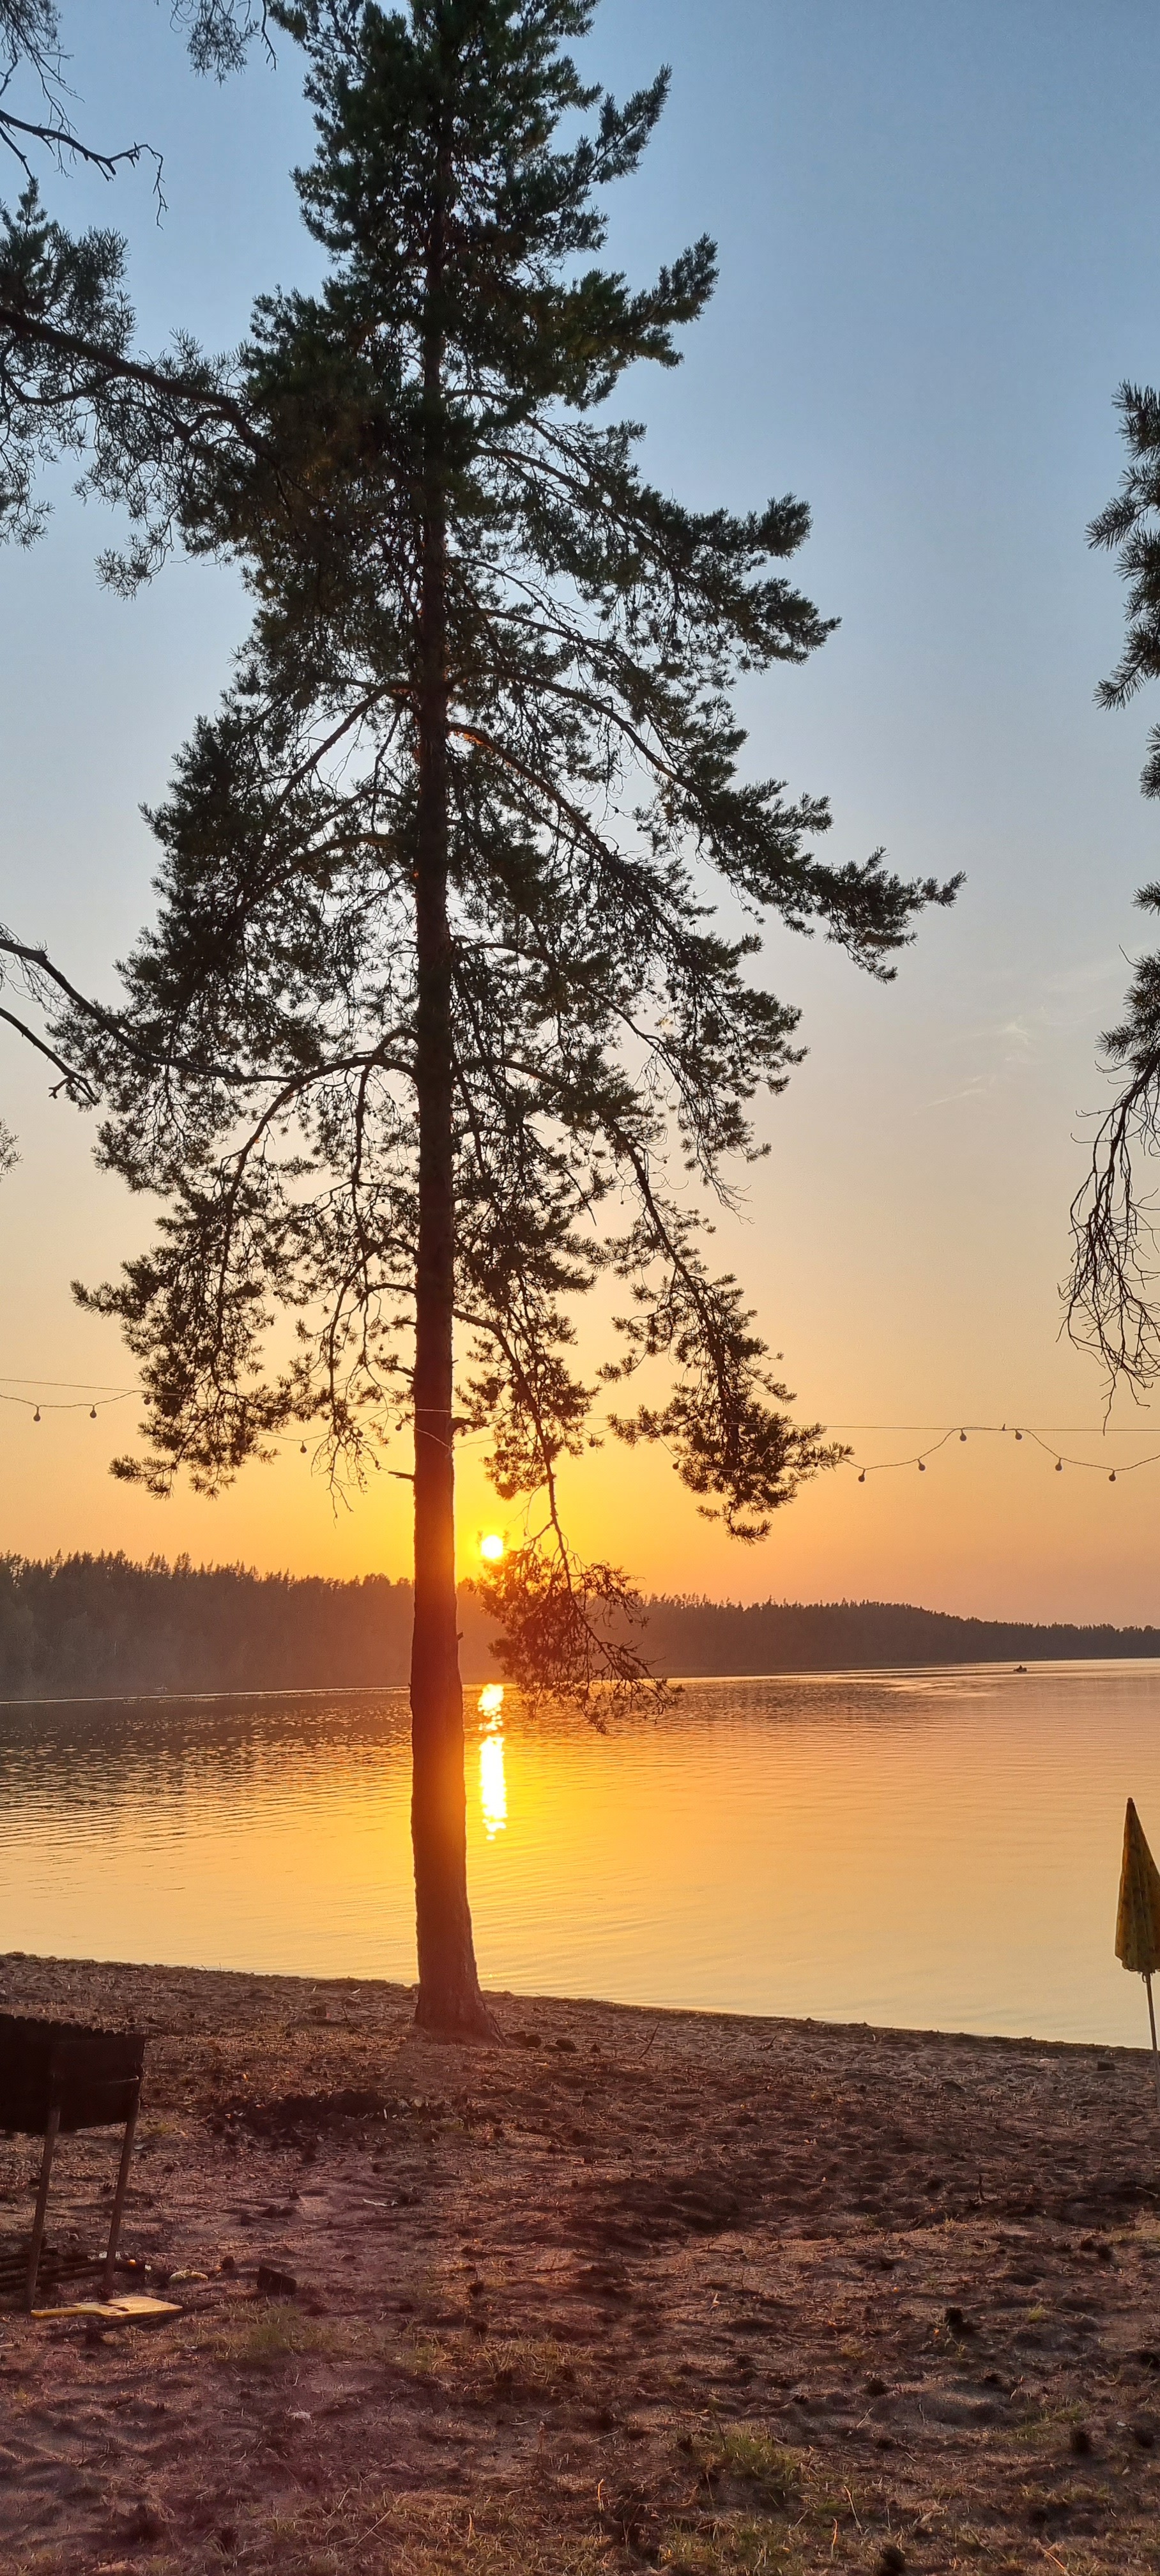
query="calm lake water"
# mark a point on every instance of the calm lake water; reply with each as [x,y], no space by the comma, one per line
[937,1849]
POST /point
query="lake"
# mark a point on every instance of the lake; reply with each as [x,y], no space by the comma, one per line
[933,1849]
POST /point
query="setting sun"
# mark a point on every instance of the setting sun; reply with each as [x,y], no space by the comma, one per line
[491,1547]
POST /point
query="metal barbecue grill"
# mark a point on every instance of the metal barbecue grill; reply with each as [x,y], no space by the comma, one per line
[58,2075]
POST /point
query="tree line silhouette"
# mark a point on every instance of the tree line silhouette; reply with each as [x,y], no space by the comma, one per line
[81,1627]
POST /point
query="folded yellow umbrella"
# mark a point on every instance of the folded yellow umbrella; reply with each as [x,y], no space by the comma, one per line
[1138,1915]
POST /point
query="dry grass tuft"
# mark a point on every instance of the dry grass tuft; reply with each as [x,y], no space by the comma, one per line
[382,2534]
[748,2454]
[263,2338]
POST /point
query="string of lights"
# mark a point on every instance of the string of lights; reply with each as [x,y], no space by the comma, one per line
[37,1406]
[999,1430]
[77,1395]
[884,1466]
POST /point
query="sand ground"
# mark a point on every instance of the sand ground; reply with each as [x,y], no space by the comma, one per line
[632,2289]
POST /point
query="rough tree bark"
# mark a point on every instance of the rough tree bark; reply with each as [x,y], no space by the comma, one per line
[449,1998]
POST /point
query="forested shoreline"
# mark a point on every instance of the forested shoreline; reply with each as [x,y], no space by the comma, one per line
[82,1627]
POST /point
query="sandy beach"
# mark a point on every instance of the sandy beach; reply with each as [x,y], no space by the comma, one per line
[632,2288]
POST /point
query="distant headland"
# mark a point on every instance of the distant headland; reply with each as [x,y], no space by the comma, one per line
[97,1626]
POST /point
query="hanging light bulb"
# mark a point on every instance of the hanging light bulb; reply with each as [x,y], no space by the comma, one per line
[36,1415]
[92,1412]
[1112,1477]
[962,1435]
[922,1466]
[302,1451]
[1059,1466]
[1019,1435]
[862,1477]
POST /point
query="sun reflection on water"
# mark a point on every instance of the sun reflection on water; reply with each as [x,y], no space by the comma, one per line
[492,1780]
[852,1846]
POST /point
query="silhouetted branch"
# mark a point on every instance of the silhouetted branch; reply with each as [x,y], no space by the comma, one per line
[76,1084]
[1111,1299]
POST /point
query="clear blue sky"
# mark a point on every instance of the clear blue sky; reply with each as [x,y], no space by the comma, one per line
[940,252]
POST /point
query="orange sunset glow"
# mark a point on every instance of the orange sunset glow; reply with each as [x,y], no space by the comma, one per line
[579,1288]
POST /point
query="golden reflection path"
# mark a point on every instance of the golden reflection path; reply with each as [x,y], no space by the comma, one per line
[493,1806]
[933,1849]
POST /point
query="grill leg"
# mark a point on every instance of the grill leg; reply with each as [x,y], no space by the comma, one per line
[119,2194]
[37,2239]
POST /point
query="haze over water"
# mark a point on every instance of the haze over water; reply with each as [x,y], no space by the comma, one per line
[931,1849]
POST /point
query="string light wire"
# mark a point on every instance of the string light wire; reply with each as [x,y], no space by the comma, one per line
[999,1430]
[883,1466]
[86,1403]
[92,1397]
[86,1385]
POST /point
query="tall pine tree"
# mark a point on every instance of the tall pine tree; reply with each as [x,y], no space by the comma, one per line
[436,990]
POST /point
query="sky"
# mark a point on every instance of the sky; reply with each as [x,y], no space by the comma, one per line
[939,237]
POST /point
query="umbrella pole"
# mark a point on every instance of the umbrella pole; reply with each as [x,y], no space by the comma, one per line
[1152,2019]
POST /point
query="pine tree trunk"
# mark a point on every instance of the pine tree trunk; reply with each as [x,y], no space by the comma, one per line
[449,1999]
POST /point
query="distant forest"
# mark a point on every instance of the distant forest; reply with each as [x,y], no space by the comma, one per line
[82,1627]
